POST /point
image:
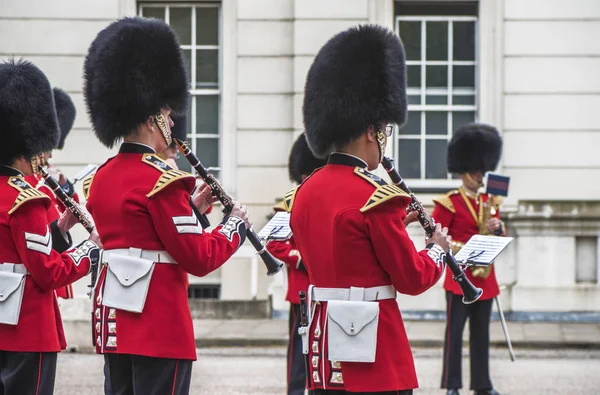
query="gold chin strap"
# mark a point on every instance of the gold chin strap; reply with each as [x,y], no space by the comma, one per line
[36,162]
[161,122]
[381,140]
[479,183]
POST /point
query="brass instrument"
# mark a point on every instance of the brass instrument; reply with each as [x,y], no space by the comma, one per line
[487,210]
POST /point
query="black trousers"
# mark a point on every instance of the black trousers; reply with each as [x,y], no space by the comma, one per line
[27,373]
[479,342]
[342,392]
[126,374]
[296,366]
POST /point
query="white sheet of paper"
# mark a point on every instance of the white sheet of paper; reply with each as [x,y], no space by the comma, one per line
[86,171]
[278,228]
[483,250]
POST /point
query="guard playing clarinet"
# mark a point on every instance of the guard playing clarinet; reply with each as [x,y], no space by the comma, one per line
[134,79]
[348,223]
[301,164]
[473,150]
[31,265]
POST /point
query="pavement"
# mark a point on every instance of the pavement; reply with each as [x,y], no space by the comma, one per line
[274,332]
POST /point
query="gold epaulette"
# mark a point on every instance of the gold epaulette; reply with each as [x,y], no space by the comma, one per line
[280,206]
[86,184]
[288,199]
[445,201]
[382,194]
[168,175]
[369,177]
[26,192]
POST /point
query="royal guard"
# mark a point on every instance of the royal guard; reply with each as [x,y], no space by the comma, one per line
[473,150]
[65,113]
[31,265]
[348,223]
[134,80]
[301,164]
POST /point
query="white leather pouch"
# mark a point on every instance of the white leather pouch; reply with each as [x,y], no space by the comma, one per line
[352,330]
[12,287]
[127,282]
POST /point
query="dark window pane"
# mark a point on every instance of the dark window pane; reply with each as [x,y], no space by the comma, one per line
[207,150]
[409,158]
[464,41]
[437,76]
[207,26]
[437,41]
[435,159]
[180,20]
[414,99]
[207,114]
[187,59]
[435,99]
[207,68]
[414,76]
[436,122]
[154,12]
[410,33]
[419,8]
[463,100]
[463,76]
[413,125]
[461,117]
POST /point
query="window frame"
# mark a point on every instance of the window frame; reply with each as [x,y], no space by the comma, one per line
[192,136]
[423,183]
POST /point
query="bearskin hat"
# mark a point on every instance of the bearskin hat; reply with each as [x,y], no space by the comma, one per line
[29,124]
[134,67]
[65,112]
[302,161]
[474,147]
[357,79]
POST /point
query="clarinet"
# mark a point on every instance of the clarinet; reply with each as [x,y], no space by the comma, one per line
[70,204]
[470,292]
[273,265]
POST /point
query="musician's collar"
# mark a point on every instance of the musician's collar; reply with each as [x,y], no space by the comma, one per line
[469,193]
[9,171]
[135,148]
[342,158]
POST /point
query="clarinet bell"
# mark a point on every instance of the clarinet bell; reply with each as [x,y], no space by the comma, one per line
[471,293]
[273,264]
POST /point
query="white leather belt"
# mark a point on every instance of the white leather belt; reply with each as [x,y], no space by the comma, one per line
[354,293]
[14,268]
[151,255]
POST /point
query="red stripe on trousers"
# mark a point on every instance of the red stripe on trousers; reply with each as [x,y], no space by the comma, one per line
[37,389]
[175,377]
[448,341]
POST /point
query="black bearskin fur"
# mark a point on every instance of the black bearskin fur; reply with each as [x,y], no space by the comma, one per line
[134,67]
[302,161]
[29,124]
[65,112]
[357,79]
[474,147]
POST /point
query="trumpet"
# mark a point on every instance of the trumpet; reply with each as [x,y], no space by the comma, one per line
[273,264]
[470,293]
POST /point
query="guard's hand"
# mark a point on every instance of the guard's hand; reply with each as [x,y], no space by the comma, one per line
[242,212]
[95,237]
[57,175]
[410,218]
[66,221]
[203,198]
[494,225]
[440,237]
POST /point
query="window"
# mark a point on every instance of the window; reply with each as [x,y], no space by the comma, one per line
[204,291]
[198,29]
[441,57]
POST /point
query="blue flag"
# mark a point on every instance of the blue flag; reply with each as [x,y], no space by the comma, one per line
[497,185]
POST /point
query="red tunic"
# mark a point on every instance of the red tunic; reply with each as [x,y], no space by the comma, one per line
[55,209]
[138,201]
[462,226]
[26,239]
[342,246]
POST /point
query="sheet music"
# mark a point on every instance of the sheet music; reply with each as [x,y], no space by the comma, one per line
[278,228]
[482,250]
[86,171]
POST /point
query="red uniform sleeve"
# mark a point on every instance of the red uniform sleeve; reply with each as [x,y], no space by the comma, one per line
[49,269]
[284,251]
[442,216]
[412,272]
[196,251]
